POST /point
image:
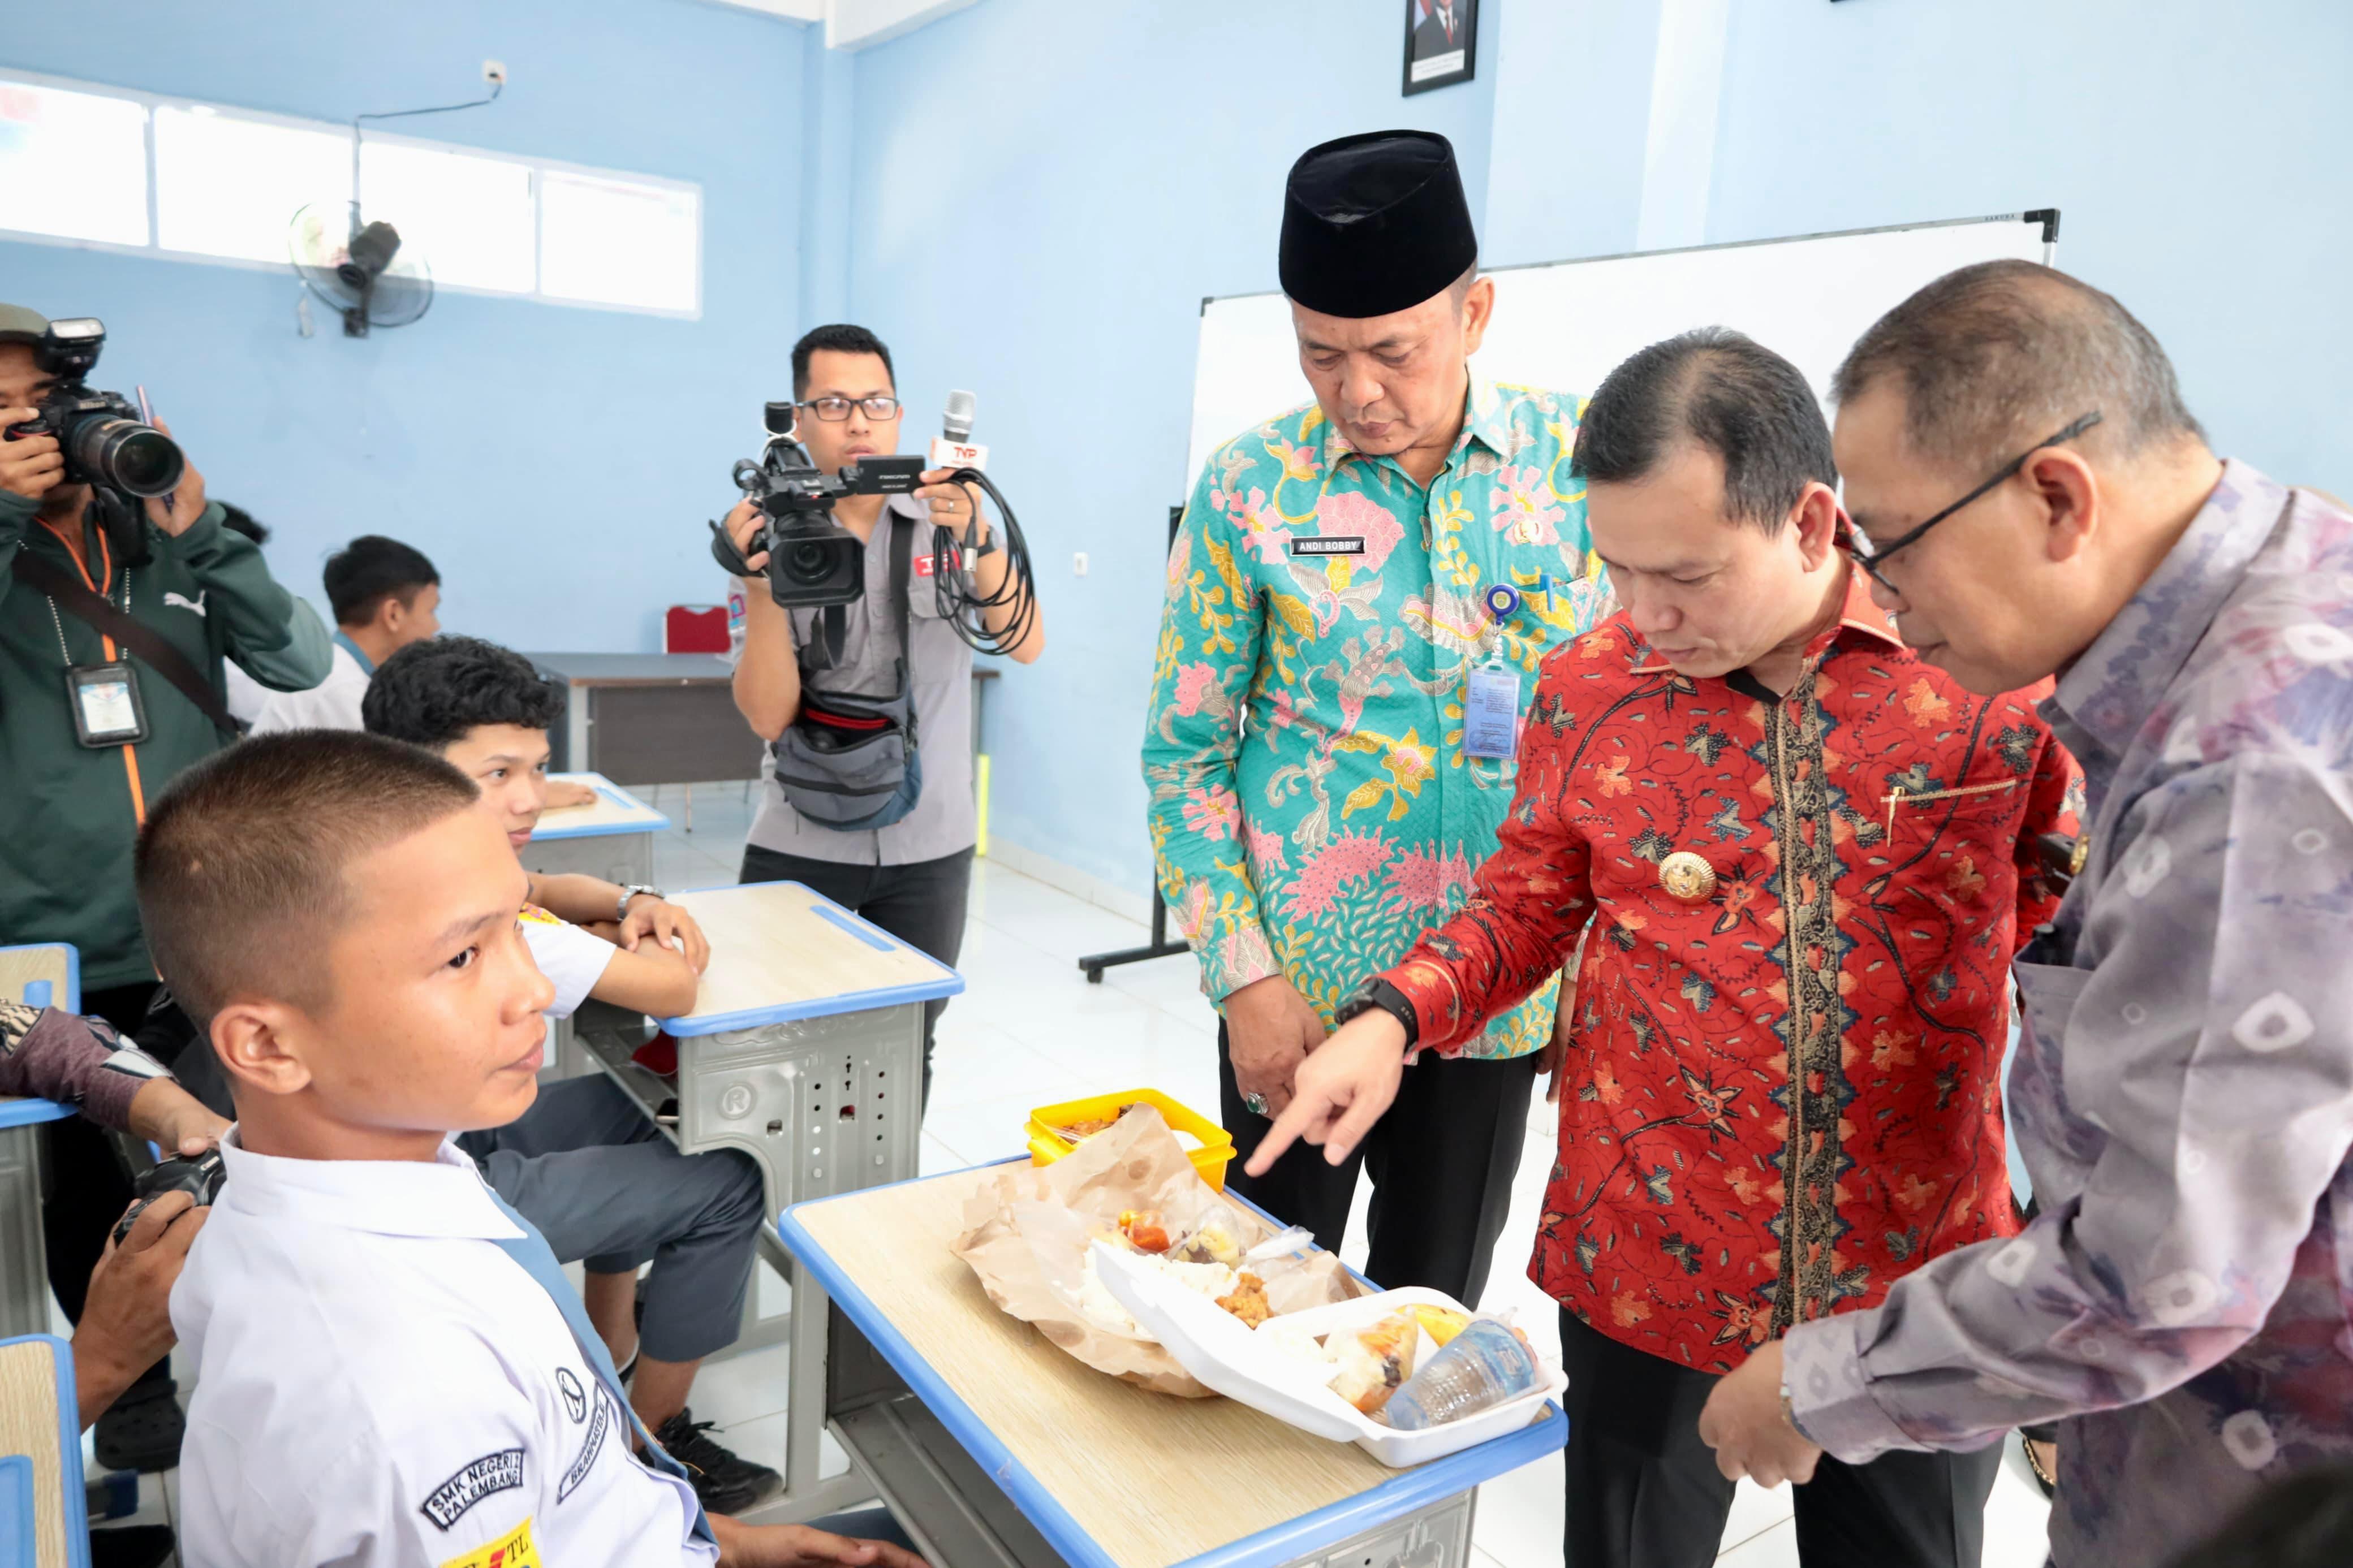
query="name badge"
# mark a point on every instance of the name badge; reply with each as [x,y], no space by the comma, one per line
[1327,544]
[104,699]
[1490,712]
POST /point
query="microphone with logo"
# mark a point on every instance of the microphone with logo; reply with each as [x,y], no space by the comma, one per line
[955,449]
[955,564]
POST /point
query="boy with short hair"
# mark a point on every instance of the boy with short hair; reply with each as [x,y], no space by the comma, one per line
[584,1162]
[390,1368]
[385,595]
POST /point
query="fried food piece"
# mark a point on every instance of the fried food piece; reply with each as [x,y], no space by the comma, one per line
[1248,1302]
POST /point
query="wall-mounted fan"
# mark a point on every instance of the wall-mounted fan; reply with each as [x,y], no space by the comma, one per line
[360,268]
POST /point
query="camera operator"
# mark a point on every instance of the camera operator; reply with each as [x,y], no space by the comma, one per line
[116,612]
[911,878]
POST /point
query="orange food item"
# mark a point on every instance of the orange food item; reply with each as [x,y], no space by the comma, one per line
[1144,1231]
[1248,1302]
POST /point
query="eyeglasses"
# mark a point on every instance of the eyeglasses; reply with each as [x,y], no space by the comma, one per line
[1874,559]
[836,409]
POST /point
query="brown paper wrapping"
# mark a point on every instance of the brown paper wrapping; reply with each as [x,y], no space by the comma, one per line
[1136,1164]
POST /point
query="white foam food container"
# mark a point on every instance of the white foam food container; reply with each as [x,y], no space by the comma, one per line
[1250,1366]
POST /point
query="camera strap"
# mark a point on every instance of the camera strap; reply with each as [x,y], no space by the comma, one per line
[135,637]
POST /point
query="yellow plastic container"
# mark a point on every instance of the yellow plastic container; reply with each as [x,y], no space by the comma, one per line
[1047,1144]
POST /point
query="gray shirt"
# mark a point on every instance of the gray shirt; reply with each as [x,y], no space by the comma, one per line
[2184,1089]
[943,820]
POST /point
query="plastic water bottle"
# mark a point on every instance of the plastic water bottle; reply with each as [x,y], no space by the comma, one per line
[1486,1364]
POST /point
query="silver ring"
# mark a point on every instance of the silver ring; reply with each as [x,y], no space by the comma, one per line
[1257,1103]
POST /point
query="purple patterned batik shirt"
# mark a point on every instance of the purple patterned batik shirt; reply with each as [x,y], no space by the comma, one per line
[2183,1096]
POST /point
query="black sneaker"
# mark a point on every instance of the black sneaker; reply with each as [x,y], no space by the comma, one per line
[141,1430]
[725,1482]
[132,1546]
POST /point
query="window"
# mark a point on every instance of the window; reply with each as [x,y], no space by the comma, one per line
[73,164]
[617,242]
[227,186]
[122,170]
[469,217]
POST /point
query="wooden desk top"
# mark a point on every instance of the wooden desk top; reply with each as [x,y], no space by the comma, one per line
[35,1421]
[1153,1479]
[615,811]
[779,953]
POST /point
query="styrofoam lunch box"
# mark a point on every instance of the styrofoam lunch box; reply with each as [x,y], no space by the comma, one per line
[1250,1366]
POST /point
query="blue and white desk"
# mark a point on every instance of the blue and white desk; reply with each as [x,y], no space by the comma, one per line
[40,974]
[997,1450]
[612,838]
[806,1051]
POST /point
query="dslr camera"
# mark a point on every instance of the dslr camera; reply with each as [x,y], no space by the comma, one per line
[104,440]
[813,561]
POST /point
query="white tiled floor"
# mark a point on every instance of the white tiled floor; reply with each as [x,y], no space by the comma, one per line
[1029,1030]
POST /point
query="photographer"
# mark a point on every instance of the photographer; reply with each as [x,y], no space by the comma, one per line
[116,612]
[912,877]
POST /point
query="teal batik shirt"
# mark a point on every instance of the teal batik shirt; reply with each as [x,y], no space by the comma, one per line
[1340,606]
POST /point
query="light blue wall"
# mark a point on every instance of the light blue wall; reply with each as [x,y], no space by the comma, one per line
[555,463]
[1045,193]
[2196,151]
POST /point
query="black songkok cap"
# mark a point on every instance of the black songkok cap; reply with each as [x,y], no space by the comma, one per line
[1375,223]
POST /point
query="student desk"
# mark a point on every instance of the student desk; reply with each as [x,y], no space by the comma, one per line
[652,718]
[612,838]
[997,1450]
[806,1051]
[40,974]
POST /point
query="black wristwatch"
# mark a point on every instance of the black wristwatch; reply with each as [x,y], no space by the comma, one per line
[1378,994]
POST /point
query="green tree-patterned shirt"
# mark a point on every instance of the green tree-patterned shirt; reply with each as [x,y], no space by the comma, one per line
[1340,606]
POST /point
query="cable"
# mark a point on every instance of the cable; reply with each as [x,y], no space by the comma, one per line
[964,607]
[497,87]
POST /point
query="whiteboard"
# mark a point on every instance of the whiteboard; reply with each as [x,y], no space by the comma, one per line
[1564,325]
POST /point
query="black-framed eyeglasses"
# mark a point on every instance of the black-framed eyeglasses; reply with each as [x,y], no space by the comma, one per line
[1872,558]
[836,409]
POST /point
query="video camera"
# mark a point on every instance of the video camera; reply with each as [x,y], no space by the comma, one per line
[105,441]
[812,560]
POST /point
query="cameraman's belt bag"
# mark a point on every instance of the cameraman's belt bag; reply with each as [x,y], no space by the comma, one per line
[849,760]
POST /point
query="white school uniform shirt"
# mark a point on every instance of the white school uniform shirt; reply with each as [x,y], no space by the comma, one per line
[332,704]
[572,957]
[379,1386]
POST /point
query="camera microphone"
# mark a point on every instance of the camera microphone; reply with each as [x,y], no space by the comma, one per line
[955,449]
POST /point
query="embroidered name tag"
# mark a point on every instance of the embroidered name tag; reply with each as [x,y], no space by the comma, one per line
[1327,544]
[487,1476]
[596,1440]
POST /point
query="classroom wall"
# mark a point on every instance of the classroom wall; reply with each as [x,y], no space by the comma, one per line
[557,463]
[1045,193]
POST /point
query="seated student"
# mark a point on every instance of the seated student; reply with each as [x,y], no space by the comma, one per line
[584,1162]
[385,595]
[391,1369]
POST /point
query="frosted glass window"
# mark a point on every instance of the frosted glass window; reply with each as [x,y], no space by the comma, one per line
[469,217]
[230,186]
[614,242]
[72,164]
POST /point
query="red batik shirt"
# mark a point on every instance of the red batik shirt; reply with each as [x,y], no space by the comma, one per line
[1873,837]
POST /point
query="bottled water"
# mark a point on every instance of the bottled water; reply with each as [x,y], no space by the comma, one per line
[1485,1365]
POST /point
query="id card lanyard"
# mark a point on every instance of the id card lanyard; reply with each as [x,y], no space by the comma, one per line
[102,698]
[1490,697]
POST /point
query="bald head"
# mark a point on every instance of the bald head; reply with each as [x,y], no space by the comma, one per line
[1996,356]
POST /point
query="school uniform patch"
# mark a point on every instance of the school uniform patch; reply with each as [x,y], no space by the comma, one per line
[575,1403]
[588,1447]
[514,1549]
[486,1476]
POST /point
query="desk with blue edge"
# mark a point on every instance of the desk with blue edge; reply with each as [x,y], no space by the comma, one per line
[995,1449]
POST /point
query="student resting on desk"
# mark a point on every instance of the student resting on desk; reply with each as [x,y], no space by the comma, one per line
[391,1368]
[584,1162]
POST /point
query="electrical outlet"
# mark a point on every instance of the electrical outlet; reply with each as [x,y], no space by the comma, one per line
[495,72]
[1079,565]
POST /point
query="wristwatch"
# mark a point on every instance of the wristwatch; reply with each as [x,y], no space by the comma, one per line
[1379,994]
[621,910]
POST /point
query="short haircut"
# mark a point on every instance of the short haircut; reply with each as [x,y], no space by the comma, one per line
[240,867]
[842,338]
[1715,388]
[370,570]
[1995,355]
[431,693]
[236,519]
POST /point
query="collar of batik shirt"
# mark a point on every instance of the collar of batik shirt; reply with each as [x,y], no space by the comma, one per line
[1859,615]
[2113,686]
[1484,419]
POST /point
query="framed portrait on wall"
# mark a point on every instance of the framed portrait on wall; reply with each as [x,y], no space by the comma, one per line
[1441,43]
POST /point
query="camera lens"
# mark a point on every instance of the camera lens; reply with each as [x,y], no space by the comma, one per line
[810,563]
[125,455]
